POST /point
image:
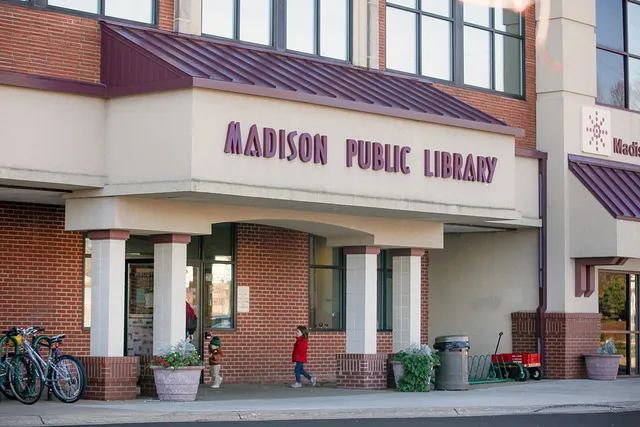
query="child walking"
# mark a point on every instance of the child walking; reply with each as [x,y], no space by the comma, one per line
[300,356]
[215,360]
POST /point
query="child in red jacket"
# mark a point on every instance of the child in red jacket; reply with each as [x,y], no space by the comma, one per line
[300,356]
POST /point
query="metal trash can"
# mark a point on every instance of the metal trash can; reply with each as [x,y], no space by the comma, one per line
[453,372]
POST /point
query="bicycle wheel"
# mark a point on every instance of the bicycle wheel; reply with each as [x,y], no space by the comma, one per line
[6,354]
[26,382]
[68,379]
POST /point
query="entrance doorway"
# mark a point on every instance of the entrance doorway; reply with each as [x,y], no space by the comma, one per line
[619,304]
[139,308]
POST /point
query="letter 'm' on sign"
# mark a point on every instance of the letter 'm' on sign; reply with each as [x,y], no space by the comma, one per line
[234,139]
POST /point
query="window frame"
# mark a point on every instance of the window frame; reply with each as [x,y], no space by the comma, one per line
[44,4]
[457,47]
[279,30]
[382,292]
[342,268]
[626,56]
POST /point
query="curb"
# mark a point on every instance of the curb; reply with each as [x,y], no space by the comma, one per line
[282,415]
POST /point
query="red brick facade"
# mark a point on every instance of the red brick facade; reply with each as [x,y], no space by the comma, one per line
[41,273]
[363,371]
[568,336]
[110,378]
[514,112]
[55,44]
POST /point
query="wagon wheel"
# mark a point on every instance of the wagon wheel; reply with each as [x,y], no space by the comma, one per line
[536,373]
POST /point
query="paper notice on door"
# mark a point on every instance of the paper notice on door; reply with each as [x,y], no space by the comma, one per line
[243,299]
[148,299]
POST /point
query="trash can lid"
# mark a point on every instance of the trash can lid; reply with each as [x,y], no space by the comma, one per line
[452,338]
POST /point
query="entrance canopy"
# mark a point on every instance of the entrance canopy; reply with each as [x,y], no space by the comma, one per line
[605,208]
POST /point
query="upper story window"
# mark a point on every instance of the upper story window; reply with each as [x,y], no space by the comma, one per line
[618,53]
[316,27]
[132,10]
[465,43]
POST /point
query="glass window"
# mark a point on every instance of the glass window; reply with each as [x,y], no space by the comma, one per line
[385,291]
[420,38]
[89,6]
[301,25]
[132,10]
[218,17]
[326,285]
[247,20]
[86,290]
[255,21]
[618,53]
[334,29]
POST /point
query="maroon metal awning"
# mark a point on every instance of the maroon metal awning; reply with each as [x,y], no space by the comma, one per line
[616,185]
[137,60]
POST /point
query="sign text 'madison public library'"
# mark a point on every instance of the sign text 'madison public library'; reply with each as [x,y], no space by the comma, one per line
[366,154]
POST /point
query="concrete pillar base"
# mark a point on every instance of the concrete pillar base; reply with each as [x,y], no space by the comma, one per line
[110,378]
[362,371]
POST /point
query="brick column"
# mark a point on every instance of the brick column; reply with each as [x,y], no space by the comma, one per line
[407,264]
[568,336]
[110,378]
[169,294]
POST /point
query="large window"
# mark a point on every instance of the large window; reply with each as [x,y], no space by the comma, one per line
[317,27]
[467,44]
[132,10]
[326,285]
[619,303]
[618,53]
[385,291]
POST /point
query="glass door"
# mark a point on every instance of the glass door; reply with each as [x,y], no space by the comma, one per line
[192,284]
[139,308]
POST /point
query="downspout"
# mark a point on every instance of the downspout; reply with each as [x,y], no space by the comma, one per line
[542,291]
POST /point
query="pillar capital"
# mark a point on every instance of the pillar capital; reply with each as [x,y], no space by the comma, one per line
[108,235]
[406,252]
[172,238]
[361,250]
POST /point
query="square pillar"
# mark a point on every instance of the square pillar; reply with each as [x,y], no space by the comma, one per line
[407,282]
[107,292]
[169,293]
[362,299]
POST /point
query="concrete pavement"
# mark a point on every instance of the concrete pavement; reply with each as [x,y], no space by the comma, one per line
[278,402]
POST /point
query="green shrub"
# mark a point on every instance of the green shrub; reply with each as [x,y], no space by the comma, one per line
[417,366]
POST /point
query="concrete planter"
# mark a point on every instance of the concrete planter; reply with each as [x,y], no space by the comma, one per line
[177,385]
[602,366]
[397,371]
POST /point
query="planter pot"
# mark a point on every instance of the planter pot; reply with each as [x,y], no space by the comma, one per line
[602,366]
[397,371]
[178,385]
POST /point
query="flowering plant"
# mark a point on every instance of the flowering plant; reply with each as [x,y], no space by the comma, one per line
[175,356]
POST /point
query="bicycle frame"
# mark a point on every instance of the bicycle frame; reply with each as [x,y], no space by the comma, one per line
[43,368]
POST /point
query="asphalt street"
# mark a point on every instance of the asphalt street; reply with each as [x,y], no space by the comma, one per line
[619,419]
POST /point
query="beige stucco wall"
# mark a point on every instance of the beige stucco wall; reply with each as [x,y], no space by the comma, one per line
[157,216]
[477,281]
[51,139]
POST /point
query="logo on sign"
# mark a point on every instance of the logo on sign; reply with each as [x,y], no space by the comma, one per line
[596,131]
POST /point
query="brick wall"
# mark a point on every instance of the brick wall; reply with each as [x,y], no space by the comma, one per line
[517,113]
[568,336]
[41,273]
[54,44]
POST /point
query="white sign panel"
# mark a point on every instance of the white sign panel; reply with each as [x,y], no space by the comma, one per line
[243,299]
[596,131]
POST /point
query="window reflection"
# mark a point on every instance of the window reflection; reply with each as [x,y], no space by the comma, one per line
[326,285]
[301,25]
[611,90]
[477,62]
[133,10]
[255,21]
[334,28]
[507,21]
[507,63]
[438,7]
[401,40]
[476,14]
[218,281]
[634,84]
[89,6]
[609,24]
[436,48]
[218,17]
[633,28]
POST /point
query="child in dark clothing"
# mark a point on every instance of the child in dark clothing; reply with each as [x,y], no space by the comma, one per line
[215,360]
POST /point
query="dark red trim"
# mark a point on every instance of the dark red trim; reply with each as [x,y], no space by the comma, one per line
[108,235]
[406,252]
[585,273]
[574,158]
[531,153]
[306,98]
[172,238]
[53,84]
[361,250]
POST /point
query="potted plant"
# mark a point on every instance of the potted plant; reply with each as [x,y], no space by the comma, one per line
[413,367]
[177,371]
[603,365]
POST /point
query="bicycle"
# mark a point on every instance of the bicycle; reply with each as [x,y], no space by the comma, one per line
[9,347]
[62,374]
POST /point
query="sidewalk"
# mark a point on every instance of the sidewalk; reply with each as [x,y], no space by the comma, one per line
[277,402]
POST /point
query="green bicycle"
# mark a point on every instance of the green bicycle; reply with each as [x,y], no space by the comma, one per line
[9,347]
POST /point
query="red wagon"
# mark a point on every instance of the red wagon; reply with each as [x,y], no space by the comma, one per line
[521,366]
